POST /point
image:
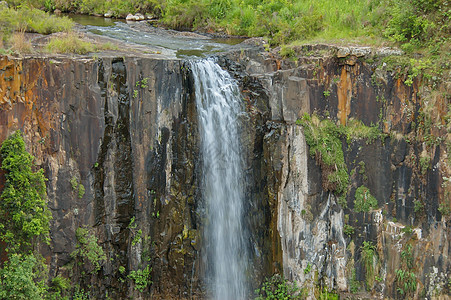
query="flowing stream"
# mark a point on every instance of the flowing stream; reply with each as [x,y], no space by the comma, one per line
[218,105]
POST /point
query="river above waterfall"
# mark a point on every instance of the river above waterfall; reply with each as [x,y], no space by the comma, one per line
[178,44]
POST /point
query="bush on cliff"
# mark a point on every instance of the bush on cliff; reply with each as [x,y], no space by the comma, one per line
[23,203]
[19,278]
[24,223]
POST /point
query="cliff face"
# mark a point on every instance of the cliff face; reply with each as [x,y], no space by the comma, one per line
[124,131]
[406,169]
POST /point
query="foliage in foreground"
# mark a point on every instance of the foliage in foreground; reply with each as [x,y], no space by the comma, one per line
[276,287]
[19,278]
[23,208]
[24,222]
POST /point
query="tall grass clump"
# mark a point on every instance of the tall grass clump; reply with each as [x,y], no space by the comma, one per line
[323,138]
[74,43]
[19,43]
[69,43]
[31,20]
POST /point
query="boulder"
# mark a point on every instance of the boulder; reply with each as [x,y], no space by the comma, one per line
[139,17]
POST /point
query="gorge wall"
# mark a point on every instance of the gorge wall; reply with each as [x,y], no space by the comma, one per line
[118,140]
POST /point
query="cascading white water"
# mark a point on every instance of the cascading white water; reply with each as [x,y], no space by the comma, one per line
[218,105]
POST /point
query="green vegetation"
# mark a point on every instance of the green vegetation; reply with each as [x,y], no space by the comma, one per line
[31,20]
[354,284]
[444,209]
[412,24]
[364,201]
[348,230]
[19,278]
[24,223]
[323,137]
[88,254]
[276,287]
[425,163]
[15,22]
[23,206]
[326,295]
[356,130]
[69,43]
[369,260]
[406,280]
[60,287]
[140,84]
[137,238]
[418,206]
[308,268]
[141,278]
[73,43]
[77,187]
[80,294]
[407,230]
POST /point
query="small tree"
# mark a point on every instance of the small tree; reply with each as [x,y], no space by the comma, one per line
[19,278]
[23,209]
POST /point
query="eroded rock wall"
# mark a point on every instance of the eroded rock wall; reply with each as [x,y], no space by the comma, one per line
[343,83]
[125,128]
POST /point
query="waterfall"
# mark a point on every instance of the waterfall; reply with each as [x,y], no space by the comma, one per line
[218,104]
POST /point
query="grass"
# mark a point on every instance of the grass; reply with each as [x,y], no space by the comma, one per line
[74,43]
[369,260]
[15,22]
[69,43]
[323,138]
[19,43]
[421,26]
[32,20]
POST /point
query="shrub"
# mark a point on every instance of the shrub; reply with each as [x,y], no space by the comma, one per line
[88,254]
[60,287]
[18,278]
[348,230]
[276,287]
[364,201]
[141,278]
[33,20]
[23,207]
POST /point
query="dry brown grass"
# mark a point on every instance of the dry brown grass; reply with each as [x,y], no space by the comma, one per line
[19,42]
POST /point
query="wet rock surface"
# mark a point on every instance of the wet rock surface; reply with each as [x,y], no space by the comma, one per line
[126,129]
